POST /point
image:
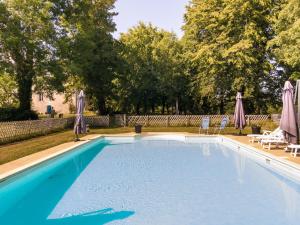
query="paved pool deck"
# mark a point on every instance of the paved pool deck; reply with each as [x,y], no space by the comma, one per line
[278,152]
[11,168]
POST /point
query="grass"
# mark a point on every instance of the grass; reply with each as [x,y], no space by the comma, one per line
[10,152]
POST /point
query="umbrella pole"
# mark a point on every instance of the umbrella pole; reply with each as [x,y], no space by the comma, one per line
[76,138]
[297,96]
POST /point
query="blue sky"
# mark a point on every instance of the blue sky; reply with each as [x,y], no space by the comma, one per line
[166,14]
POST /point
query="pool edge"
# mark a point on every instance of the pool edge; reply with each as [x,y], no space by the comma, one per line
[282,165]
[17,166]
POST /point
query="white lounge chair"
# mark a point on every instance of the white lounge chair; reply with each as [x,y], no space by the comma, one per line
[273,140]
[295,149]
[266,134]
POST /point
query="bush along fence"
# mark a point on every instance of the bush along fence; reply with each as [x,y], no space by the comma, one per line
[180,120]
[20,130]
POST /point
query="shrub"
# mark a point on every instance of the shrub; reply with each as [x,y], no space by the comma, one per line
[13,114]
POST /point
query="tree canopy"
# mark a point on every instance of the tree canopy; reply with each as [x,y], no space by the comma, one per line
[8,93]
[251,46]
[89,47]
[286,42]
[28,46]
[155,76]
[226,41]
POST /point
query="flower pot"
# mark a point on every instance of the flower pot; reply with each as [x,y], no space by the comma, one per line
[256,130]
[138,128]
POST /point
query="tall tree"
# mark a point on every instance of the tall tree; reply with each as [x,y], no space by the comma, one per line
[90,47]
[155,75]
[173,80]
[286,42]
[27,45]
[226,43]
[142,78]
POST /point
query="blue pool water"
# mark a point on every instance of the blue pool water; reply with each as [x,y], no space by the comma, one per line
[150,182]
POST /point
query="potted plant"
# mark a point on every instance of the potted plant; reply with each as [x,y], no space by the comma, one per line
[256,128]
[138,128]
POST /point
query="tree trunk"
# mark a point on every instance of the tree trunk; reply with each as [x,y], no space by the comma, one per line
[137,109]
[24,81]
[153,107]
[177,106]
[101,106]
[184,109]
[145,105]
[163,106]
[221,107]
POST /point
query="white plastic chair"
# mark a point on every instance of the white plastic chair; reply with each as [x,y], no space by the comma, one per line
[204,124]
[224,122]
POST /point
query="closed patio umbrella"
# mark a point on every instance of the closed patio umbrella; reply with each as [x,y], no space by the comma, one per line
[288,122]
[79,125]
[297,103]
[239,114]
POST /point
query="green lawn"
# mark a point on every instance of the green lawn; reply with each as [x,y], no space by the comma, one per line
[20,149]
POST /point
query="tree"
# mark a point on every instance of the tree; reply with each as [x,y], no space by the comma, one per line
[173,80]
[286,42]
[8,93]
[141,81]
[155,76]
[27,45]
[226,43]
[89,47]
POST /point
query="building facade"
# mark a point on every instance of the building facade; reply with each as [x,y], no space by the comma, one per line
[40,103]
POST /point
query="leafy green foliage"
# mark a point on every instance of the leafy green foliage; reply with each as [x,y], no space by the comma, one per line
[8,91]
[28,46]
[89,48]
[286,43]
[226,43]
[13,114]
[228,46]
[156,73]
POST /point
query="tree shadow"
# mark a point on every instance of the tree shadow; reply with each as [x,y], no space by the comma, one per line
[99,217]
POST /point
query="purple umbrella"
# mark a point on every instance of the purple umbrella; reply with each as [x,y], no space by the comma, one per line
[239,115]
[288,122]
[80,126]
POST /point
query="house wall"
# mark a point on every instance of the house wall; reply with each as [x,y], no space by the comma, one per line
[58,103]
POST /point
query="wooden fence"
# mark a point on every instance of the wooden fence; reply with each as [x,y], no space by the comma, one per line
[19,130]
[98,121]
[180,120]
[12,131]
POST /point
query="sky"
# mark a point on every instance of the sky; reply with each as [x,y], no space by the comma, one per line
[166,14]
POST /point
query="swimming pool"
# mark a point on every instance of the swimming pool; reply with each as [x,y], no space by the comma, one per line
[162,180]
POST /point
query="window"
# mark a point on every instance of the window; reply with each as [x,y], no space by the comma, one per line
[41,97]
